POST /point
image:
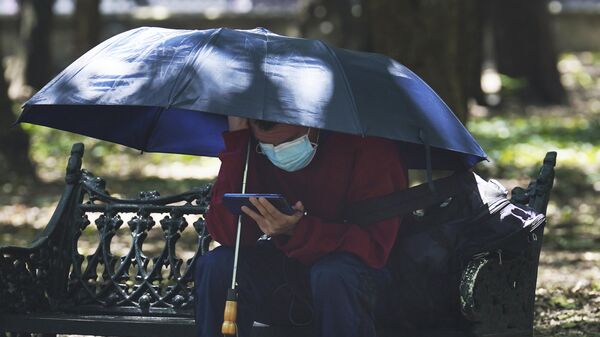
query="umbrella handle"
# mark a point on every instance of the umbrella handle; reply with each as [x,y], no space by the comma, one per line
[229,327]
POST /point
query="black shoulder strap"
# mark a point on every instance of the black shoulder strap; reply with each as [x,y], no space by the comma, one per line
[399,203]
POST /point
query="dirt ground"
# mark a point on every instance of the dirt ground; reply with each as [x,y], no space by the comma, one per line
[568,294]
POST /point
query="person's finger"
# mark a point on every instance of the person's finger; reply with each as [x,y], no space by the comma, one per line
[299,210]
[273,212]
[261,209]
[249,212]
[299,206]
[297,216]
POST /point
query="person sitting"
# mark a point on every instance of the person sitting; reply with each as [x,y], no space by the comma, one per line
[311,267]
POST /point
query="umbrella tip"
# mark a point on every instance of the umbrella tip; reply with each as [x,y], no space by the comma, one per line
[262,30]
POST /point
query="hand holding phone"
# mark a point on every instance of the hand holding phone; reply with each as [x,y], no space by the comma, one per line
[271,212]
[235,201]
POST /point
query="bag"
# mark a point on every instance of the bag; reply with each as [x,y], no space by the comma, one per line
[440,233]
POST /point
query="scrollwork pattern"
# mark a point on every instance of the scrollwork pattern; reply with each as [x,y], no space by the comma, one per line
[52,273]
[135,282]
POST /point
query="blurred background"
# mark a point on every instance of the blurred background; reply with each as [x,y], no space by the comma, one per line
[524,77]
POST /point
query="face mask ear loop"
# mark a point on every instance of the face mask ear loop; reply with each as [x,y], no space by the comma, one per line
[425,140]
[316,143]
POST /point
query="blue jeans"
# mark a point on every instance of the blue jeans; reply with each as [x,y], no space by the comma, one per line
[337,295]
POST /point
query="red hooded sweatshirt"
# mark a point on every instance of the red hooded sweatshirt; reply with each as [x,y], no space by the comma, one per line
[345,169]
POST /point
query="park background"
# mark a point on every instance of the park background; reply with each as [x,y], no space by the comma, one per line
[524,77]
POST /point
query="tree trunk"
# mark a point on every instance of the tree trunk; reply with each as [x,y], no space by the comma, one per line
[35,28]
[525,49]
[14,142]
[438,40]
[471,48]
[341,23]
[87,25]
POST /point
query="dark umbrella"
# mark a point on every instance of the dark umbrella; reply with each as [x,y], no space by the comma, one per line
[165,90]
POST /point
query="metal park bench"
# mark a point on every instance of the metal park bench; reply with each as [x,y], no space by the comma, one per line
[51,287]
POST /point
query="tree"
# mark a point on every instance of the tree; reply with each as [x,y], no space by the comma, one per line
[525,48]
[438,40]
[339,22]
[14,142]
[35,27]
[34,71]
[443,42]
[87,24]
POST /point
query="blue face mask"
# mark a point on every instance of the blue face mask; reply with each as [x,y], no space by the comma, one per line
[290,156]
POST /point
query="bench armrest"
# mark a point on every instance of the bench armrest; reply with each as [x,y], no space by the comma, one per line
[28,274]
[498,296]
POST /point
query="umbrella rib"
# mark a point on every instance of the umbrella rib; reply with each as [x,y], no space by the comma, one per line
[346,84]
[196,51]
[152,127]
[262,113]
[452,115]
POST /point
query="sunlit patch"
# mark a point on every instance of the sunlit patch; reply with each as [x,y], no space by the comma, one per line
[555,7]
[242,6]
[569,64]
[152,13]
[111,78]
[225,73]
[490,81]
[176,170]
[326,27]
[356,10]
[396,69]
[92,86]
[213,13]
[307,86]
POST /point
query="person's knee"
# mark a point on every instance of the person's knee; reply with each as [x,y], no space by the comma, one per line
[217,261]
[335,270]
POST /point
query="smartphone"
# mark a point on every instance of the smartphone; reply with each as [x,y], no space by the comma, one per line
[235,201]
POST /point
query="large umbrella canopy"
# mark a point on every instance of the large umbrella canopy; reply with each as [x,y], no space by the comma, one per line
[166,90]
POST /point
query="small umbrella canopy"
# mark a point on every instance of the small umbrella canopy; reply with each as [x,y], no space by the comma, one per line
[165,90]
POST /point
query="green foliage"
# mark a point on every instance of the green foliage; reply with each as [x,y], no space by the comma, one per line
[562,302]
[576,70]
[50,149]
[511,85]
[517,142]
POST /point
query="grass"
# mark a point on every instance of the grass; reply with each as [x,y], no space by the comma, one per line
[516,146]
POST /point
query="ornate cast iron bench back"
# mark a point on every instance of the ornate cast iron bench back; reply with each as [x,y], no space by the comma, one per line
[60,278]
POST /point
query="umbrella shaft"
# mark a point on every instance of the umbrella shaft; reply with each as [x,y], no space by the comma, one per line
[239,226]
[237,250]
